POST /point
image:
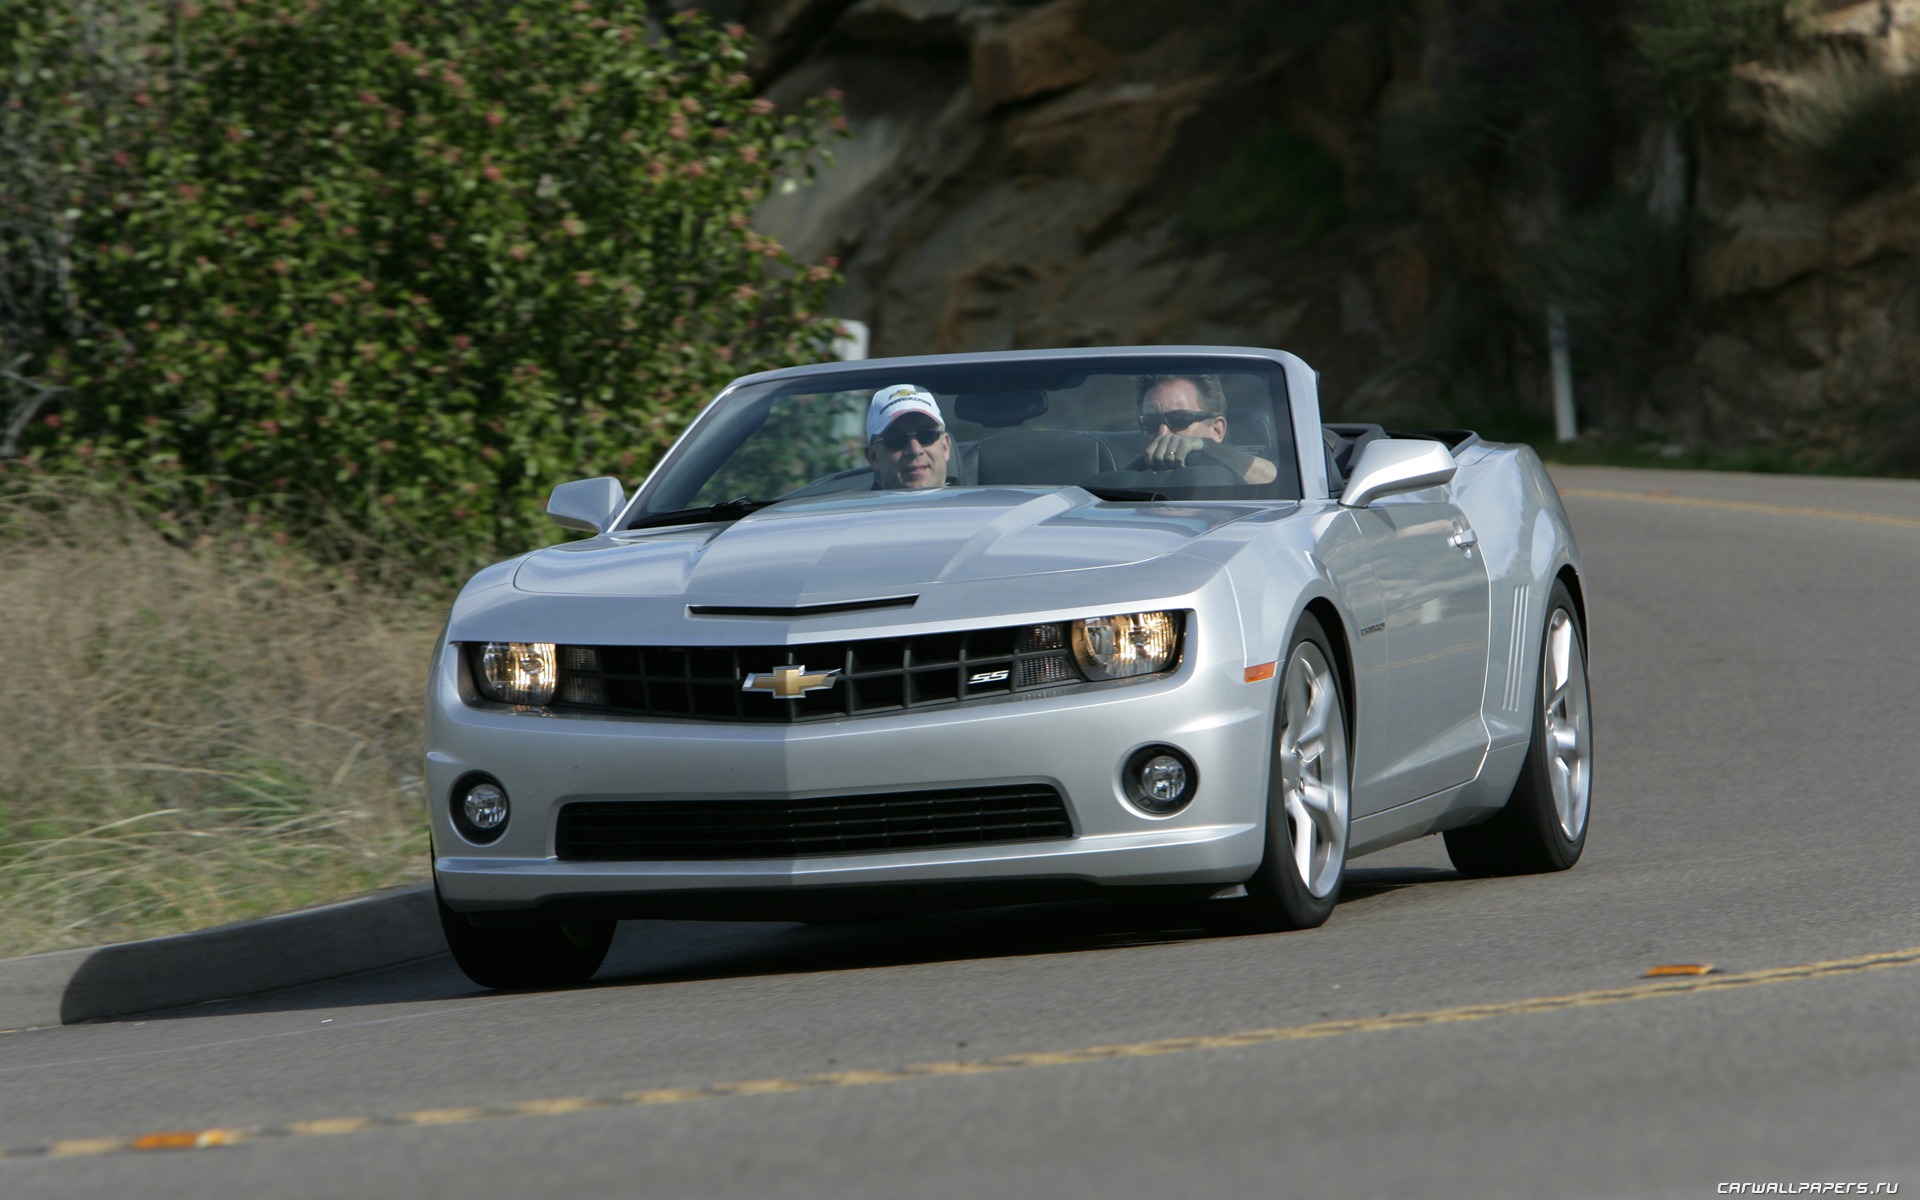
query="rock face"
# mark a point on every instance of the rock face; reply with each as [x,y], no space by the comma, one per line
[1808,299]
[1313,177]
[1047,50]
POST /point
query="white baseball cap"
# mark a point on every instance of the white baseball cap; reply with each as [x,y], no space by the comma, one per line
[890,403]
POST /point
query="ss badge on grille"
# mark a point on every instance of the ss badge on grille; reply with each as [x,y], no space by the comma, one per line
[790,683]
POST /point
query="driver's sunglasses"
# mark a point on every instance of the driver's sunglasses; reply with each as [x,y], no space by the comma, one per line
[1176,420]
[897,439]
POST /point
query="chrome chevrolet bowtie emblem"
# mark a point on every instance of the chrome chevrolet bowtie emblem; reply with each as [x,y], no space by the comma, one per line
[789,683]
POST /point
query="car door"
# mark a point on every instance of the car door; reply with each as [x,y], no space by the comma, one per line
[1434,595]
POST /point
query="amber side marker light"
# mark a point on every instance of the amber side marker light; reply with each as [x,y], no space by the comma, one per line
[1666,969]
[1263,671]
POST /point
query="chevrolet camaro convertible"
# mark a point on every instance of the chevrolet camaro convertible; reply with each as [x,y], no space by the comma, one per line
[924,633]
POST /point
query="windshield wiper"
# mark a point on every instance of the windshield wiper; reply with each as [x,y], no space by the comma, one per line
[1113,493]
[726,510]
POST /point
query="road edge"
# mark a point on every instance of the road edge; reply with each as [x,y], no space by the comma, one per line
[62,987]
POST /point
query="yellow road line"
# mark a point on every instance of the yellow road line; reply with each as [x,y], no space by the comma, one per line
[563,1105]
[1753,506]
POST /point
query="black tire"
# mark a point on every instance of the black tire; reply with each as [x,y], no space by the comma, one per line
[1311,752]
[1543,826]
[516,957]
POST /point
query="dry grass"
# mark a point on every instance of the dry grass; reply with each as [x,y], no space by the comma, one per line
[195,733]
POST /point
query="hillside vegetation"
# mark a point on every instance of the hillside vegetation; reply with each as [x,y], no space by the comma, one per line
[198,731]
[304,307]
[401,262]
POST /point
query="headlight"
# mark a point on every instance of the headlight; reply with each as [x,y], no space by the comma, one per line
[1134,644]
[517,672]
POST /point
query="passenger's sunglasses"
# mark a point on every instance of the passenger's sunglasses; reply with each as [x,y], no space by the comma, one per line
[1176,420]
[897,439]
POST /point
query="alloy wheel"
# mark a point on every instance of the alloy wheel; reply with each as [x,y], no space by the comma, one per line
[1313,766]
[1569,725]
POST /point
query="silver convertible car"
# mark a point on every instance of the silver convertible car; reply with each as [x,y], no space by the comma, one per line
[924,633]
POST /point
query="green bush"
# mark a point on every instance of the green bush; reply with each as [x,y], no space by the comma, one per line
[66,87]
[1417,146]
[1520,101]
[1692,45]
[1619,272]
[1857,123]
[1272,179]
[414,261]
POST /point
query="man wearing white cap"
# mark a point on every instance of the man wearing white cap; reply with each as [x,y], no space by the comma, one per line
[907,440]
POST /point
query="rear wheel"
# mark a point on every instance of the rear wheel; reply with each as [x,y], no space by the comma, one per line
[1544,824]
[525,956]
[1309,791]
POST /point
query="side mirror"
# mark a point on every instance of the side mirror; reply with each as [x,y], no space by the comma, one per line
[1390,466]
[588,504]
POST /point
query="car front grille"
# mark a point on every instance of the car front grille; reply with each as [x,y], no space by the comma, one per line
[869,675]
[669,830]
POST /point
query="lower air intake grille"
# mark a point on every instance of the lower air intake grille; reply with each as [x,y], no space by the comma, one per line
[654,831]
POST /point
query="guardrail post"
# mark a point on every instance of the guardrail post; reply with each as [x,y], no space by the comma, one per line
[1565,425]
[853,341]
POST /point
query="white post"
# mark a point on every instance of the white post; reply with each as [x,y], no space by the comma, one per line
[853,341]
[1565,425]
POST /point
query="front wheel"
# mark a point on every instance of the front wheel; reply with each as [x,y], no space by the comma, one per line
[1544,824]
[1309,792]
[513,957]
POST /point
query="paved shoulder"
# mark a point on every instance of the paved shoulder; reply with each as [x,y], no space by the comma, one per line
[1871,501]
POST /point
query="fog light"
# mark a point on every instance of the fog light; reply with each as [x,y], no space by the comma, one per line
[1160,780]
[480,809]
[486,807]
[1163,778]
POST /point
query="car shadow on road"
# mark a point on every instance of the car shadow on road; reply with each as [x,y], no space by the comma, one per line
[650,952]
[661,952]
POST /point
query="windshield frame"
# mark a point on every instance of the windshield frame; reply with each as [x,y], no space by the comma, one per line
[1283,370]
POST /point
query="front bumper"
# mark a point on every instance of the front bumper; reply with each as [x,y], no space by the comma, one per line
[1075,741]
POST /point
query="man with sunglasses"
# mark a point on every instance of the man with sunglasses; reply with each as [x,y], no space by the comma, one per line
[907,441]
[1184,421]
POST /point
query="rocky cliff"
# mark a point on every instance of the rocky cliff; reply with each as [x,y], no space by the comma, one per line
[1395,189]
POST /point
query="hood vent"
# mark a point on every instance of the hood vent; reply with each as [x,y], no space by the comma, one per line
[799,610]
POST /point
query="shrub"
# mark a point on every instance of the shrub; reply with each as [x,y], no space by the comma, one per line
[1272,179]
[1693,45]
[417,260]
[1520,100]
[65,85]
[1419,145]
[1619,271]
[1856,122]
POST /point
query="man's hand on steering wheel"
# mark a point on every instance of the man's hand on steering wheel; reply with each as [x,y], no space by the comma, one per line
[1170,450]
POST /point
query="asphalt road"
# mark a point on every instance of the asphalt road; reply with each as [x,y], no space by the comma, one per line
[1754,640]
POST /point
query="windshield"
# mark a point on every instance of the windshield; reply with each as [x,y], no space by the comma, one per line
[1174,428]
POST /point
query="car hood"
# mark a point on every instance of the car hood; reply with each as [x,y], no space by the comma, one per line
[873,545]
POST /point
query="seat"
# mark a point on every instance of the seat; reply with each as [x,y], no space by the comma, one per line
[1344,444]
[1122,444]
[1251,429]
[963,466]
[1041,457]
